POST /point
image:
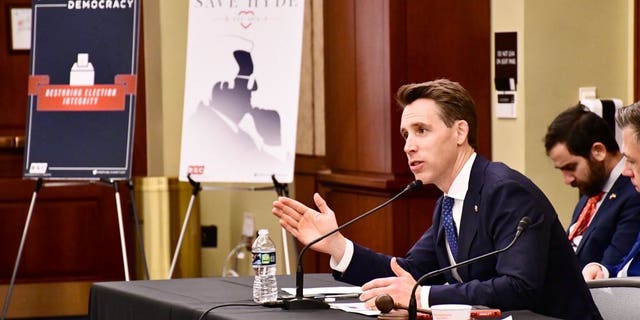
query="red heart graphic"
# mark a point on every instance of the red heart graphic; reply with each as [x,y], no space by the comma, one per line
[249,14]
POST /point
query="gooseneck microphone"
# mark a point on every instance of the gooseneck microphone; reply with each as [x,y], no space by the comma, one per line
[300,302]
[522,225]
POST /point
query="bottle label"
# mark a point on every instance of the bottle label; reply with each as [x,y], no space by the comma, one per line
[264,258]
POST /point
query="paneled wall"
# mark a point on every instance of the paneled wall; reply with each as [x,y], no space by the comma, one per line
[372,47]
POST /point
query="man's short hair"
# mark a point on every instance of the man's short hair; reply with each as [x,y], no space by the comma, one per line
[629,116]
[454,101]
[579,129]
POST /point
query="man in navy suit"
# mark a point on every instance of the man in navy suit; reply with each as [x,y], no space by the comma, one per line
[628,118]
[484,201]
[605,220]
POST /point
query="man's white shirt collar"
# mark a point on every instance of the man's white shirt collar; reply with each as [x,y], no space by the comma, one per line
[460,183]
[613,176]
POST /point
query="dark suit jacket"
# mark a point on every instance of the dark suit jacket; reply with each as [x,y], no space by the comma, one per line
[540,272]
[614,228]
[633,254]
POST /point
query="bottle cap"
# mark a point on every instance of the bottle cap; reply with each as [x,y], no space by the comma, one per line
[262,232]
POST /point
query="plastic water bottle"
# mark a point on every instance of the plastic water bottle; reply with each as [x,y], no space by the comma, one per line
[265,287]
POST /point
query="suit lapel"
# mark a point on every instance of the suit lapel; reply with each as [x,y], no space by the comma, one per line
[468,225]
[576,213]
[470,212]
[607,202]
[440,238]
[633,256]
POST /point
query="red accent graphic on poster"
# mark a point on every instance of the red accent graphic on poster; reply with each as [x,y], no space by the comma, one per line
[101,97]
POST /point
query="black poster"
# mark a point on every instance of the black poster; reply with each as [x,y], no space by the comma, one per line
[82,85]
[506,61]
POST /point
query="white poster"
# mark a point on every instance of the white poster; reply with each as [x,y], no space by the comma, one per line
[241,90]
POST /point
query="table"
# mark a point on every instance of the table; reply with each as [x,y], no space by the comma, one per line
[187,299]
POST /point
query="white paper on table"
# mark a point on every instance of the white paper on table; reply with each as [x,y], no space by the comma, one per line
[319,291]
[355,307]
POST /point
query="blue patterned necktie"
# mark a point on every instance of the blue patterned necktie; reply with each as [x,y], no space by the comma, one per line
[450,225]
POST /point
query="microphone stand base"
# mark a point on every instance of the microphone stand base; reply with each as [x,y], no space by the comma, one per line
[304,304]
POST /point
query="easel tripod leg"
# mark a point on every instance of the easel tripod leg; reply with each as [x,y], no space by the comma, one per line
[282,189]
[125,261]
[7,298]
[138,231]
[285,248]
[176,253]
[196,189]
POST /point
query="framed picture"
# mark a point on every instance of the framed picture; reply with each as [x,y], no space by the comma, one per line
[20,18]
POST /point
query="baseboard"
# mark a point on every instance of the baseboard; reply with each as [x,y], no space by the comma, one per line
[50,299]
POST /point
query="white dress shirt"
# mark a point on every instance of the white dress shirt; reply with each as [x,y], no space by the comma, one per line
[457,191]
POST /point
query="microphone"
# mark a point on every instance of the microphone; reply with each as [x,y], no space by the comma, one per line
[522,225]
[300,302]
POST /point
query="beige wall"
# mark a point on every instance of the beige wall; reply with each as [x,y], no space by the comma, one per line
[508,16]
[563,45]
[165,28]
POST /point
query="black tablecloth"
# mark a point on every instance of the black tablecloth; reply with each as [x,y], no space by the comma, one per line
[187,299]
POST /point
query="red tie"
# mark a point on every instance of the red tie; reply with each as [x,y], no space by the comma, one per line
[585,216]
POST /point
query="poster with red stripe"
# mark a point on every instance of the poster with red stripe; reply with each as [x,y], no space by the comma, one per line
[82,87]
[241,90]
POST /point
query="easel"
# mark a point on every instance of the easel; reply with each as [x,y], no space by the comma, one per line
[282,189]
[107,182]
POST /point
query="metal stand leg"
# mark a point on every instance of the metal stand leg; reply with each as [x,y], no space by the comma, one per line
[125,261]
[282,189]
[196,189]
[285,248]
[138,231]
[7,299]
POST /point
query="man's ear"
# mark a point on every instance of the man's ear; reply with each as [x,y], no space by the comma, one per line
[598,151]
[462,131]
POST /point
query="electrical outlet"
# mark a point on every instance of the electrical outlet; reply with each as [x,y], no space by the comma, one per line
[209,236]
[585,93]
